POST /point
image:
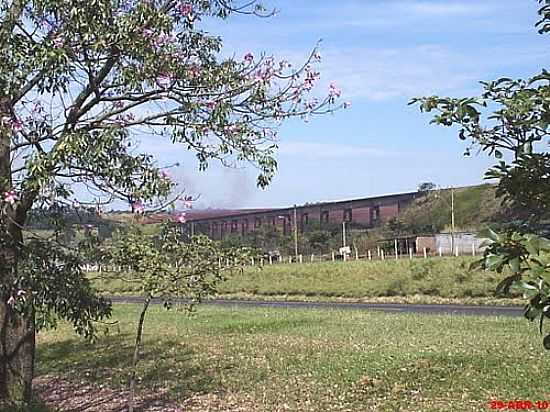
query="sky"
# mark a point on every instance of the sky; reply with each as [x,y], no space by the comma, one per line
[381,53]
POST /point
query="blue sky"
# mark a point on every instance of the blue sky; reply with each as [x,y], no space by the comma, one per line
[381,53]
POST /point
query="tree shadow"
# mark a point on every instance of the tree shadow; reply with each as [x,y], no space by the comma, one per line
[97,374]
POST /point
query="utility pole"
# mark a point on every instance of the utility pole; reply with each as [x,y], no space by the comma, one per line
[452,220]
[295,232]
[344,233]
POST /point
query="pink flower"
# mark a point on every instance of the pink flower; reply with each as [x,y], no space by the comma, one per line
[164,80]
[334,91]
[118,104]
[185,9]
[311,104]
[188,202]
[165,175]
[137,207]
[147,33]
[259,76]
[16,125]
[58,41]
[194,71]
[249,57]
[181,218]
[163,39]
[211,105]
[10,197]
[11,301]
[37,108]
[232,128]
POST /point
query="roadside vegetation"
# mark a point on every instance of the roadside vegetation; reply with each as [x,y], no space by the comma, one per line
[433,280]
[224,359]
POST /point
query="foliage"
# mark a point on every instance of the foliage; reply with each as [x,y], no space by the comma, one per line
[528,258]
[426,186]
[82,82]
[512,116]
[432,280]
[169,267]
[52,285]
[525,184]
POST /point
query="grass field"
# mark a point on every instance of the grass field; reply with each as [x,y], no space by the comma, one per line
[224,359]
[431,280]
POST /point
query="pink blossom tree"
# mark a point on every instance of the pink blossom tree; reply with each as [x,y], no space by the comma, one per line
[80,82]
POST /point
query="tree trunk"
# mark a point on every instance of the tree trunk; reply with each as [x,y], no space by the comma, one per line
[17,333]
[17,345]
[135,360]
[17,336]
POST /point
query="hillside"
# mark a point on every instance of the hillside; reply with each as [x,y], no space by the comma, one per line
[474,206]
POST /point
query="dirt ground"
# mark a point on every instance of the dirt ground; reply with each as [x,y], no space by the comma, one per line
[63,395]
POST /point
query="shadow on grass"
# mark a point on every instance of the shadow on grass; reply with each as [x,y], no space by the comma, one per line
[69,396]
[167,368]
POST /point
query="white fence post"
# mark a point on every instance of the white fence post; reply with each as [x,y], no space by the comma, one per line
[410,253]
[440,251]
[369,254]
[425,254]
[382,254]
[333,259]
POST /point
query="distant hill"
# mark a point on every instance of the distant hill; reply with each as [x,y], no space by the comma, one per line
[474,206]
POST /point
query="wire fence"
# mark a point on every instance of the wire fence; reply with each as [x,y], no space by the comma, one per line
[378,254]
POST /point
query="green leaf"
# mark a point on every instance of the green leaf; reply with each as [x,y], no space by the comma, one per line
[503,288]
[531,312]
[515,265]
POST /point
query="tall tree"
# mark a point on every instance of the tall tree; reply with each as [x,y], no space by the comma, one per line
[80,82]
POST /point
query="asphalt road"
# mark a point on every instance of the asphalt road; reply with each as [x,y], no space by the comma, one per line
[381,307]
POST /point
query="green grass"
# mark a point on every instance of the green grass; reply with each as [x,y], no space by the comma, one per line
[427,280]
[315,360]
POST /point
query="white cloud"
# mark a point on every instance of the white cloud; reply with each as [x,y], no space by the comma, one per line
[404,72]
[388,73]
